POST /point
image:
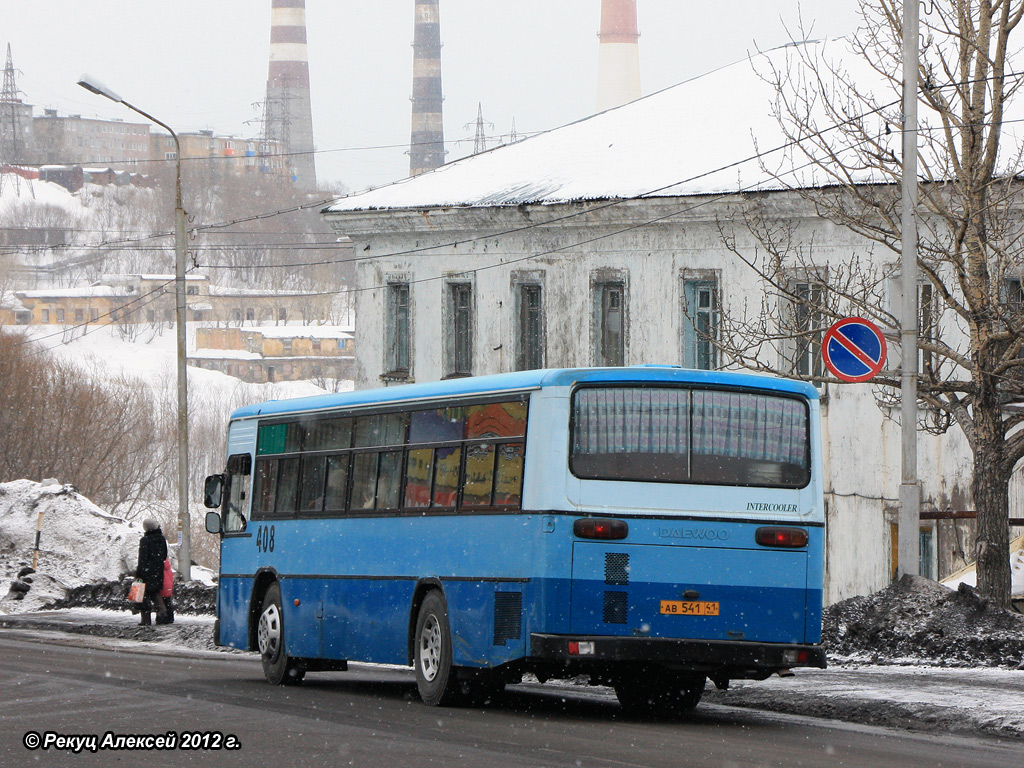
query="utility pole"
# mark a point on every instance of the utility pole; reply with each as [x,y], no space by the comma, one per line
[93,85]
[909,555]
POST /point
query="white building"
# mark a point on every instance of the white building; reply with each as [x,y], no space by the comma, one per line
[604,242]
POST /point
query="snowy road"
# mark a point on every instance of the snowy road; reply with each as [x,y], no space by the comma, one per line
[371,717]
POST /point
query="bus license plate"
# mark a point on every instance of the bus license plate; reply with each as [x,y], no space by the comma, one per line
[688,608]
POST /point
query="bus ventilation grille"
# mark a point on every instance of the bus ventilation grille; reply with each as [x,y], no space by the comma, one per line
[616,569]
[615,606]
[508,616]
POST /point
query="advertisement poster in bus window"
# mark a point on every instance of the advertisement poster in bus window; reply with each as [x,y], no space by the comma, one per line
[496,420]
[419,471]
[508,483]
[446,478]
[479,475]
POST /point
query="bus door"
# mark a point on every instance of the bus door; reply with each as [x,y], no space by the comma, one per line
[235,553]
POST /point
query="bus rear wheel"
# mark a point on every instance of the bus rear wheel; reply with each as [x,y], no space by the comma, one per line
[436,676]
[659,691]
[278,667]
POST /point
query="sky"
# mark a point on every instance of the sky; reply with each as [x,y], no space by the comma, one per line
[197,64]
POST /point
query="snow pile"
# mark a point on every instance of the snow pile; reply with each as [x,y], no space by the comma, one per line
[917,621]
[79,543]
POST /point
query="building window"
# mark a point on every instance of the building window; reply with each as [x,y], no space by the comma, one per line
[397,342]
[79,315]
[44,316]
[250,314]
[460,329]
[610,322]
[192,290]
[807,316]
[286,348]
[60,315]
[700,324]
[94,314]
[282,314]
[530,354]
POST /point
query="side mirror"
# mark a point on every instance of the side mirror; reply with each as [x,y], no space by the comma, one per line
[212,522]
[213,491]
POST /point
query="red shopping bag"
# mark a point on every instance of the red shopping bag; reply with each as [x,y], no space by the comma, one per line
[168,588]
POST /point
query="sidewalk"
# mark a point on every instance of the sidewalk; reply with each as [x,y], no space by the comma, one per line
[974,700]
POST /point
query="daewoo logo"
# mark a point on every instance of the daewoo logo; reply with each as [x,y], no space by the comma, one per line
[700,534]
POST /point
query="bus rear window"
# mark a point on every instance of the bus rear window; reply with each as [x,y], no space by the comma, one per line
[677,435]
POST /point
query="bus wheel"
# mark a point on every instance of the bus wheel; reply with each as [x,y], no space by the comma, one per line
[435,674]
[662,692]
[277,666]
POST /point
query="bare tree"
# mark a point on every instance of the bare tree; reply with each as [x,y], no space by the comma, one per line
[61,420]
[844,132]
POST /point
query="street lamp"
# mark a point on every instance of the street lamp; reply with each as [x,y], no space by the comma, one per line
[185,553]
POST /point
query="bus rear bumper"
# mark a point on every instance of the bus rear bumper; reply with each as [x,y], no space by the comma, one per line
[735,658]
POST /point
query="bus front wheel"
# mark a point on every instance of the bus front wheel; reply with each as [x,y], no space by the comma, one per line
[278,667]
[436,676]
[659,692]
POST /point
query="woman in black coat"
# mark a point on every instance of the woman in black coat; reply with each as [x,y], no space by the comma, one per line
[152,553]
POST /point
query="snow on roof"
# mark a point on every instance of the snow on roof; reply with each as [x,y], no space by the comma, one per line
[701,136]
[10,302]
[225,290]
[82,292]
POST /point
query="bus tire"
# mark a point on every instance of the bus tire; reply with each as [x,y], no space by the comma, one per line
[278,667]
[660,693]
[436,676]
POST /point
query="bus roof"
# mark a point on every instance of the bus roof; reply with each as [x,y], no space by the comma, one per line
[523,381]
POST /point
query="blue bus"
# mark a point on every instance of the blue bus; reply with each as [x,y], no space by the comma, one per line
[650,527]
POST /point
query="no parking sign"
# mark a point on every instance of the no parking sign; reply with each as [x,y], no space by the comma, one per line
[853,349]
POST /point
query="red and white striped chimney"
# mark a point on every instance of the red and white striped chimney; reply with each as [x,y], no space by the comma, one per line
[289,110]
[426,150]
[618,63]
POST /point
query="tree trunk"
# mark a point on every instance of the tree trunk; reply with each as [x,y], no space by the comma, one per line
[990,488]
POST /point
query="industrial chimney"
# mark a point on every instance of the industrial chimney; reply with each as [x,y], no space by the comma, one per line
[288,111]
[426,151]
[618,65]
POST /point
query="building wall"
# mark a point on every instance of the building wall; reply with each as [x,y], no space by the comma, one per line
[74,139]
[277,369]
[861,441]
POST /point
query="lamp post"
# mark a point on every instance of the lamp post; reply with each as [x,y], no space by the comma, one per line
[185,552]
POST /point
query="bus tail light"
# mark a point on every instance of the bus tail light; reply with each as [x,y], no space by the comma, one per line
[600,528]
[581,648]
[795,656]
[781,537]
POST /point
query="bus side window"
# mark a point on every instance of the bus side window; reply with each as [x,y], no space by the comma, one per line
[239,476]
[508,479]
